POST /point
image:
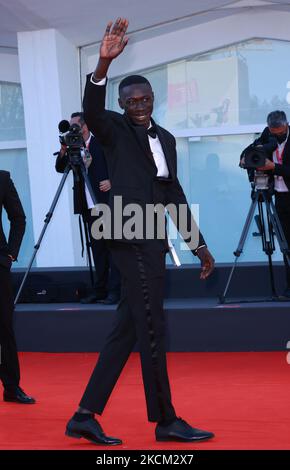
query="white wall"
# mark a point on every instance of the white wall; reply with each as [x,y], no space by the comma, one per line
[51,92]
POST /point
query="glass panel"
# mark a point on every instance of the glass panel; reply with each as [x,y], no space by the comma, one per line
[262,77]
[237,85]
[12,125]
[15,161]
[209,172]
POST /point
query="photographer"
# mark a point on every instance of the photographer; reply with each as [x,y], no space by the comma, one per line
[276,138]
[107,284]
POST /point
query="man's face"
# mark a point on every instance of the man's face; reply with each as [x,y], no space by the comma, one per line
[279,132]
[137,102]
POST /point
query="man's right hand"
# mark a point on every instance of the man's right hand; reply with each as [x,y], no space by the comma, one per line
[113,43]
[114,40]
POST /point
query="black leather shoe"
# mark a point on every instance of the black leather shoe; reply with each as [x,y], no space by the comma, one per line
[180,430]
[90,430]
[17,395]
[111,300]
[92,298]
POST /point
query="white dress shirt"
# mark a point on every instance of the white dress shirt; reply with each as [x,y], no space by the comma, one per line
[279,182]
[158,155]
[88,196]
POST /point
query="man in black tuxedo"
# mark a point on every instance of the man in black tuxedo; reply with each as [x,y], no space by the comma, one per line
[9,364]
[107,283]
[143,170]
[278,167]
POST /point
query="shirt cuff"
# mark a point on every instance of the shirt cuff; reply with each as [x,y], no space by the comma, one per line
[100,83]
[200,246]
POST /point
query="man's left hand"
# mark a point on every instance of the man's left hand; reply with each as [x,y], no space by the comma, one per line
[105,185]
[269,165]
[207,262]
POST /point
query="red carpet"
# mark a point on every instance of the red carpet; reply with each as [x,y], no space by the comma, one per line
[244,398]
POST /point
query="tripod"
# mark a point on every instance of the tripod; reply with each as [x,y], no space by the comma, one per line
[269,225]
[75,163]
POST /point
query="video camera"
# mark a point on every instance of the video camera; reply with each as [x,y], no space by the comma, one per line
[72,137]
[255,154]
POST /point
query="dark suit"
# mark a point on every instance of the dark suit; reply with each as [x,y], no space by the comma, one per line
[9,367]
[282,199]
[107,275]
[140,315]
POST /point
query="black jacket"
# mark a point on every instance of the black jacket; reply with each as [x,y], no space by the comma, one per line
[9,199]
[97,172]
[131,166]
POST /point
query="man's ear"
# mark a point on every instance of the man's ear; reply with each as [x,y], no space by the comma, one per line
[153,97]
[120,103]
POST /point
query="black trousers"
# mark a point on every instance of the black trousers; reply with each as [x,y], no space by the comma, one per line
[139,317]
[282,203]
[108,279]
[9,365]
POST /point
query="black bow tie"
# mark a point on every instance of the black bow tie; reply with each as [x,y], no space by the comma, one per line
[152,132]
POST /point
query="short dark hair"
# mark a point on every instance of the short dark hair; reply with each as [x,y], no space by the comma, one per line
[276,119]
[80,115]
[133,80]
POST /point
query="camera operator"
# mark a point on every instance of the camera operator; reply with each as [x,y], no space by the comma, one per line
[107,284]
[277,165]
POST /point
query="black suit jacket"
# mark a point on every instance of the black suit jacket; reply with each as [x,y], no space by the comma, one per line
[131,165]
[97,172]
[280,170]
[9,199]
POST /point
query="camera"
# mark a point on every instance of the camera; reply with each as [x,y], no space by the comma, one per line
[255,154]
[72,137]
